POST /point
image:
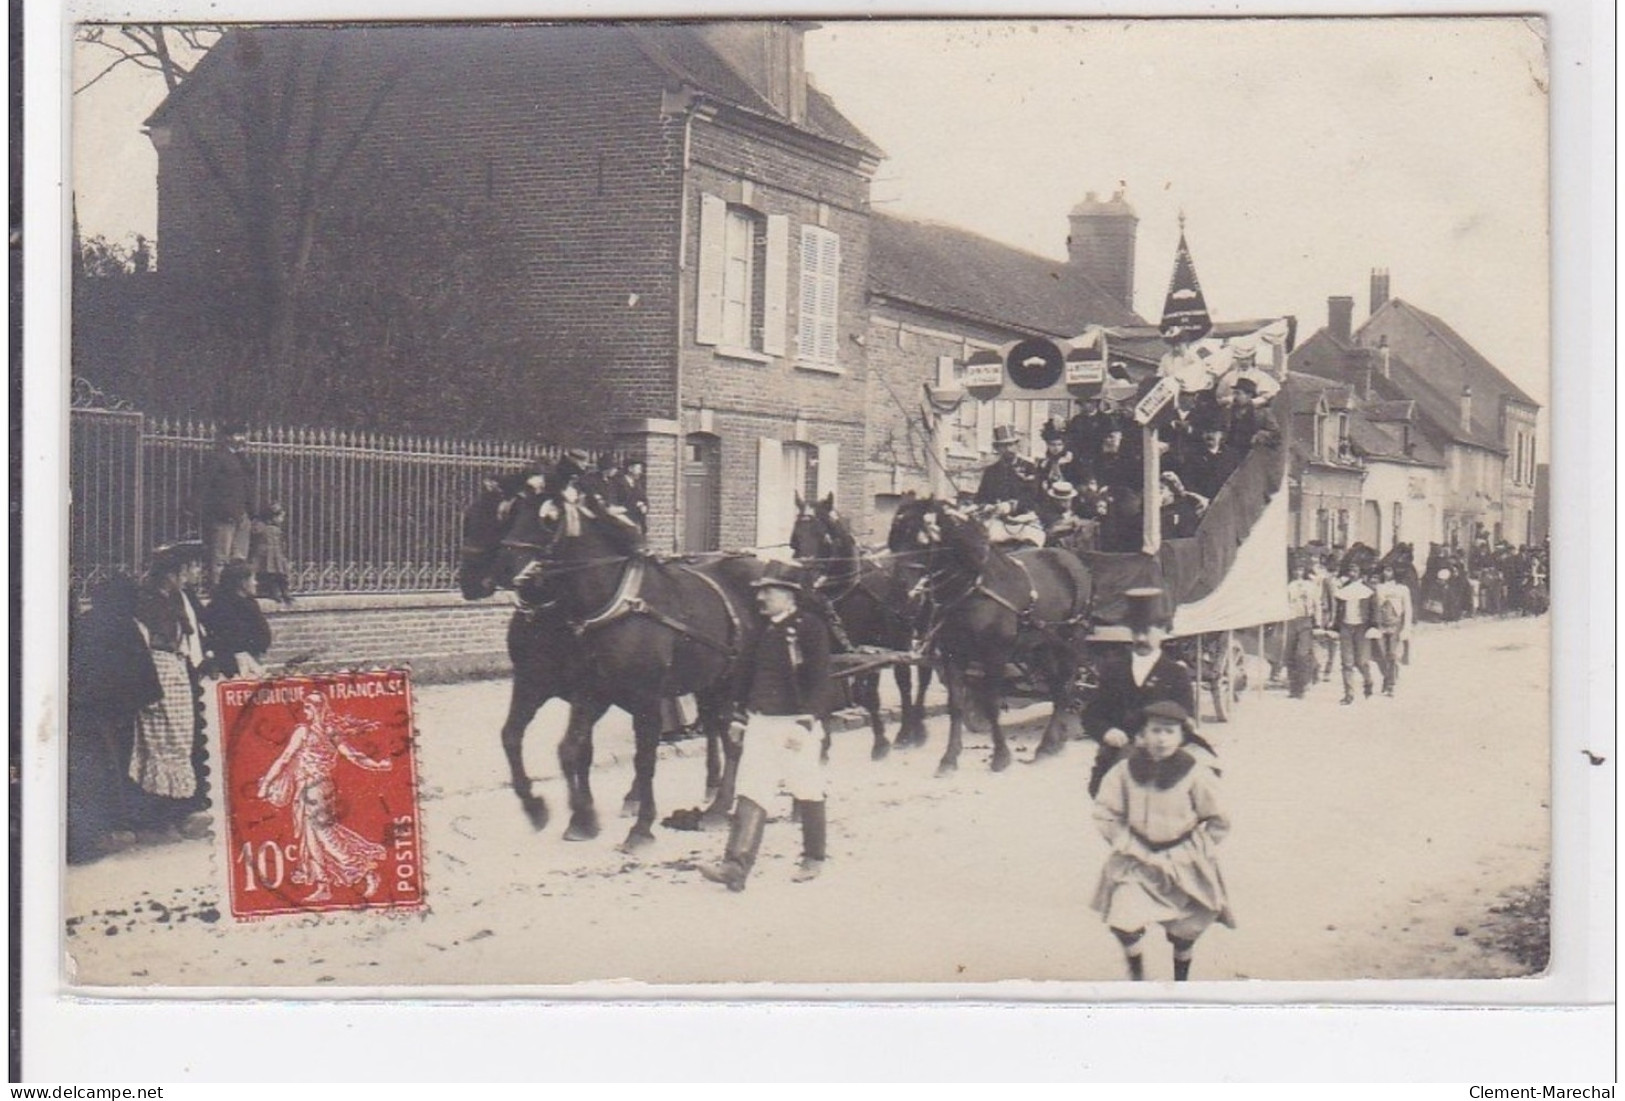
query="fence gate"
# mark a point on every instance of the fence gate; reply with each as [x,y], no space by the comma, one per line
[105,487]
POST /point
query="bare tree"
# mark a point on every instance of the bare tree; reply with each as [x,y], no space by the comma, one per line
[171,50]
[276,125]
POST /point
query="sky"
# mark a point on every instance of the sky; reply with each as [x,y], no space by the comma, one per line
[1303,154]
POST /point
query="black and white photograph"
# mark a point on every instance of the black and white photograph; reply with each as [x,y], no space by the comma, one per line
[921,503]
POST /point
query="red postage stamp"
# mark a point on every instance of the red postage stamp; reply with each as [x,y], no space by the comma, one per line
[321,793]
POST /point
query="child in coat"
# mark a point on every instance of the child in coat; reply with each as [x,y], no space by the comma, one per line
[1159,808]
[238,633]
[268,551]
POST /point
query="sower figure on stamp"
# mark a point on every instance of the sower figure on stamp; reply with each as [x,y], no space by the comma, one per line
[1160,810]
[783,688]
[1133,677]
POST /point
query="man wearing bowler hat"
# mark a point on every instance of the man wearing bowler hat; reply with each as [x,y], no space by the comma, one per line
[1010,484]
[1132,677]
[784,690]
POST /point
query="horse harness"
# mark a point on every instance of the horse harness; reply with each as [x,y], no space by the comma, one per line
[627,601]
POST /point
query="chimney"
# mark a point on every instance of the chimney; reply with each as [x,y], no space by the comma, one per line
[1340,317]
[1466,409]
[1101,244]
[1379,288]
[1383,357]
[770,55]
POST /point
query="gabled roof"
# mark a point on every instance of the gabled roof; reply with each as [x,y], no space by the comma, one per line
[1436,416]
[676,48]
[1385,441]
[955,272]
[1481,372]
[681,51]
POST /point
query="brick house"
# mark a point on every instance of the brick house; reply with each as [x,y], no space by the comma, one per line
[690,221]
[937,294]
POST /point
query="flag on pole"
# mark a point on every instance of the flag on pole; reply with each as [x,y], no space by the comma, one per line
[1184,314]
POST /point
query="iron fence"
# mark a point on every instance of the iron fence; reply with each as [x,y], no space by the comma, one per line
[365,511]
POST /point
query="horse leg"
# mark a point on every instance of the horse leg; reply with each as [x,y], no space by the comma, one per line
[953,676]
[646,729]
[523,704]
[868,688]
[988,694]
[722,760]
[916,709]
[575,761]
[1063,677]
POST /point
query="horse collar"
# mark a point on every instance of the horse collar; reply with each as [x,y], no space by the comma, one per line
[624,601]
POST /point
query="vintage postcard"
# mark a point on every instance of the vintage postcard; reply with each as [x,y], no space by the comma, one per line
[905,504]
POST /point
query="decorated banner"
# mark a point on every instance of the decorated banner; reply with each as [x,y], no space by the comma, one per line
[1184,313]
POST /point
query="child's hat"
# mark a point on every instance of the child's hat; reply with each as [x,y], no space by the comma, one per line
[1165,709]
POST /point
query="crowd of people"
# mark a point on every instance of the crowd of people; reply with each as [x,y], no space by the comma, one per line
[140,655]
[1087,490]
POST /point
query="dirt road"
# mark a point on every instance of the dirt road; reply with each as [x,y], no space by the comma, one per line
[1369,842]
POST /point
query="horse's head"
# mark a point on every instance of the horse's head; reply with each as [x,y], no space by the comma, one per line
[487,521]
[915,526]
[820,535]
[965,534]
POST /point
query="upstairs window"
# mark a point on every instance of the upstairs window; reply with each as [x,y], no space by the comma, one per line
[743,279]
[818,331]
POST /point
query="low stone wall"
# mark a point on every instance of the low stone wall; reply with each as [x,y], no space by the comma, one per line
[440,635]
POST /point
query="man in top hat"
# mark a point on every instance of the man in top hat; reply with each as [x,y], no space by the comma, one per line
[1010,483]
[225,499]
[1208,467]
[784,691]
[1248,422]
[1132,677]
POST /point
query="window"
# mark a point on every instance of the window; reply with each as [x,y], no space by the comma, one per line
[743,280]
[738,279]
[1323,526]
[1342,533]
[1394,528]
[818,332]
[785,468]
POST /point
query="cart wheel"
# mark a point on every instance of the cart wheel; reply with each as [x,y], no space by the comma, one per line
[1229,677]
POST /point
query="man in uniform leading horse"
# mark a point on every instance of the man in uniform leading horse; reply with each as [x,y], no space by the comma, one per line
[784,690]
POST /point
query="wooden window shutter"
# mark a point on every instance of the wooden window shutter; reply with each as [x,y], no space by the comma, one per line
[713,257]
[829,298]
[776,285]
[829,471]
[770,493]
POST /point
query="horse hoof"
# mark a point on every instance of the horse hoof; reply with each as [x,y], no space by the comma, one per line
[715,820]
[947,768]
[1047,749]
[1001,760]
[880,752]
[582,829]
[536,811]
[637,840]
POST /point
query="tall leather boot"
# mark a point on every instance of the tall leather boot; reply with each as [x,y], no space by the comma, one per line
[744,841]
[814,839]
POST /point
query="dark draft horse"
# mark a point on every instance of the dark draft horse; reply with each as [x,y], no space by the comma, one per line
[991,607]
[644,630]
[505,541]
[541,648]
[871,600]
